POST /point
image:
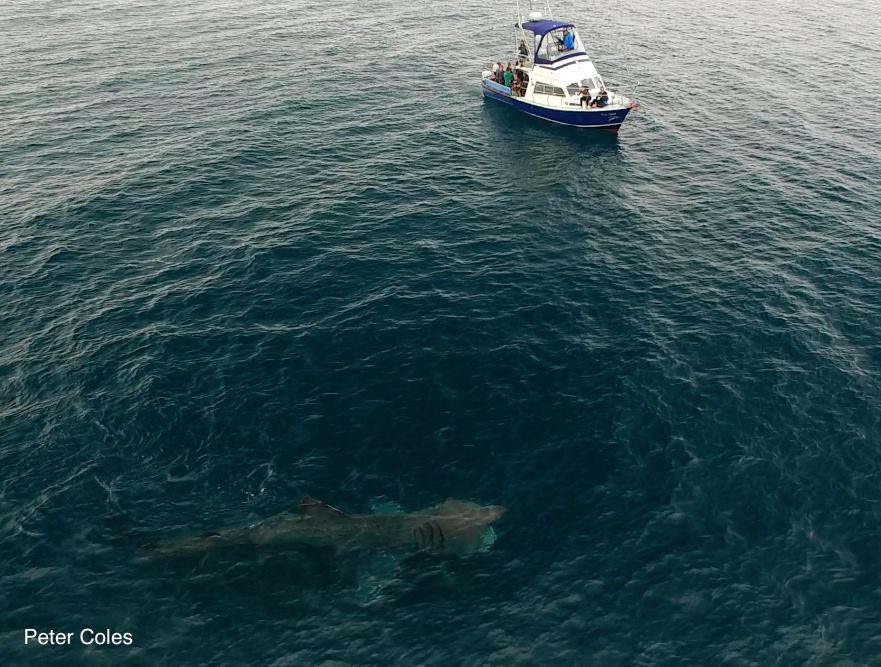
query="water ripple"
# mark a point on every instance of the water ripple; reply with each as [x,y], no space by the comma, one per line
[251,252]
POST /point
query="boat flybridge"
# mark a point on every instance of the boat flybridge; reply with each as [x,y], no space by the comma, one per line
[553,77]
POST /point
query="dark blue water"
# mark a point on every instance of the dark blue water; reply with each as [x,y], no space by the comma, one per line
[253,251]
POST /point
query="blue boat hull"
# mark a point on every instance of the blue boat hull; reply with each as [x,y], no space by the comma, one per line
[598,118]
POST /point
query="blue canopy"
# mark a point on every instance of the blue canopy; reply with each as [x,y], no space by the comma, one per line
[544,26]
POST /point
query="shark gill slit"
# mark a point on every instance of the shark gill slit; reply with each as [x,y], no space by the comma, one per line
[440,534]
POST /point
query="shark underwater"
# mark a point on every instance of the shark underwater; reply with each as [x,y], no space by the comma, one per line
[453,527]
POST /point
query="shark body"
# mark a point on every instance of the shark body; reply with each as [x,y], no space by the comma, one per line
[453,527]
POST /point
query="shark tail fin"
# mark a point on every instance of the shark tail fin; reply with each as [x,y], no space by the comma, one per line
[122,528]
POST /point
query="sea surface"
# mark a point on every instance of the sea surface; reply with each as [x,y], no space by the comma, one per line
[253,251]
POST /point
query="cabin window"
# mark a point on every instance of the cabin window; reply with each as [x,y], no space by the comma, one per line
[547,51]
[545,89]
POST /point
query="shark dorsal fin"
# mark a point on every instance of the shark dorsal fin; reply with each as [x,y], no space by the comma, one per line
[320,510]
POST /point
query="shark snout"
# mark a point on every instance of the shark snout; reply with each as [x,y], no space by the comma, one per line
[493,513]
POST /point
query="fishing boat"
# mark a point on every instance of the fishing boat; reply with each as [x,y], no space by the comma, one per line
[554,78]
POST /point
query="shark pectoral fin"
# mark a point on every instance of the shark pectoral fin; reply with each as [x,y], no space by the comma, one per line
[375,573]
[320,510]
[384,506]
[487,539]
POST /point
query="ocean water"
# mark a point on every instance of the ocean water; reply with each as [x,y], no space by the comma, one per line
[251,251]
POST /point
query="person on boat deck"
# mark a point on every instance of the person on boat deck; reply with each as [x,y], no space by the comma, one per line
[500,74]
[509,75]
[523,51]
[515,84]
[602,98]
[585,97]
[568,41]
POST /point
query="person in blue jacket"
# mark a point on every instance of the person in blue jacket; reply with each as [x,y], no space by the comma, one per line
[568,41]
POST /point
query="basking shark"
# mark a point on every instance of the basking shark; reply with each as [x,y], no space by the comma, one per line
[453,527]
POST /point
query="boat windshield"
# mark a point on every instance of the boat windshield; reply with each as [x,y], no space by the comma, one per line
[593,84]
[558,43]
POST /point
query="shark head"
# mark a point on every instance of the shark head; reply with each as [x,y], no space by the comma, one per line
[466,526]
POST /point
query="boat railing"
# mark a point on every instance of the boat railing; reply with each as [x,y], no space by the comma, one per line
[625,85]
[526,64]
[551,101]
